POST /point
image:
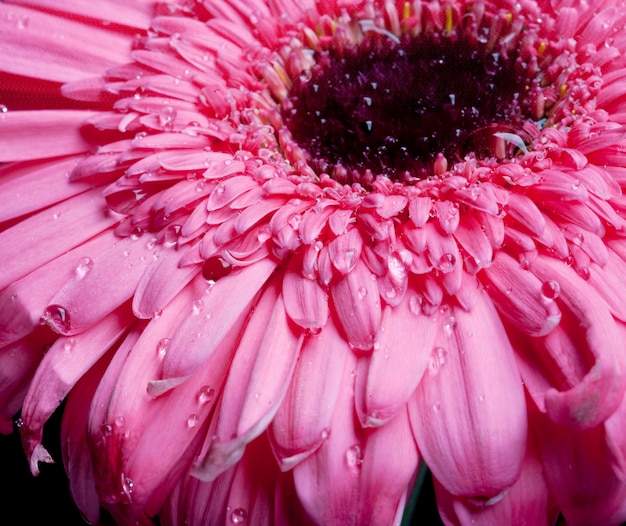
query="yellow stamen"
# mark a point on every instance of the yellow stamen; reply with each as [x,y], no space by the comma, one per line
[542,48]
[449,20]
[406,10]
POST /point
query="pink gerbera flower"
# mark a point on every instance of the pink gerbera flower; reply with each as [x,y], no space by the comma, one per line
[274,255]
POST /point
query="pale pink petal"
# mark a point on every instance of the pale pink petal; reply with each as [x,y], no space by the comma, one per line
[70,49]
[303,420]
[469,412]
[137,14]
[213,315]
[388,377]
[48,234]
[62,366]
[28,135]
[588,376]
[264,364]
[357,303]
[527,503]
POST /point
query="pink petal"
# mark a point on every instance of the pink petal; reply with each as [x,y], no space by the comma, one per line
[357,305]
[517,294]
[590,340]
[208,321]
[527,502]
[48,234]
[71,50]
[264,362]
[28,135]
[387,379]
[106,282]
[469,412]
[360,477]
[62,366]
[306,302]
[303,420]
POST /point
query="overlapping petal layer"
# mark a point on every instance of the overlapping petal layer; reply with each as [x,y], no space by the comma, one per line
[244,332]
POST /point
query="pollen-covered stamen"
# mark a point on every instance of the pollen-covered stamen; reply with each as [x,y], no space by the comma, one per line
[387,107]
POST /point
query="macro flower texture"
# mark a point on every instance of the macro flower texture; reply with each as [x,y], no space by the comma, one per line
[272,256]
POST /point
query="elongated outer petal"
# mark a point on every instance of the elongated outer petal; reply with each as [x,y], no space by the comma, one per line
[303,420]
[305,300]
[216,313]
[597,395]
[469,412]
[75,446]
[578,468]
[71,50]
[388,377]
[257,383]
[357,476]
[127,416]
[28,135]
[50,233]
[157,288]
[23,302]
[517,295]
[35,185]
[62,366]
[137,14]
[18,362]
[83,300]
[357,303]
[527,503]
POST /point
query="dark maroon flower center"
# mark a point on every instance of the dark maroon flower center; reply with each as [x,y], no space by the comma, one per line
[391,108]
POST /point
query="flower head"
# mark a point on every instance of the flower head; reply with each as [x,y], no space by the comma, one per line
[275,254]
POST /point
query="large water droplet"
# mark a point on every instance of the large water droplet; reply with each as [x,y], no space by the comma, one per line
[550,290]
[163,346]
[238,516]
[206,394]
[193,420]
[57,318]
[83,268]
[438,358]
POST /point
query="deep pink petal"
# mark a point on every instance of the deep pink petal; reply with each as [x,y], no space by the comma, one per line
[357,303]
[303,420]
[469,412]
[389,376]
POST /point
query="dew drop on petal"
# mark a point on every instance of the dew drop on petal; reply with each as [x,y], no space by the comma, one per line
[415,304]
[193,420]
[584,273]
[438,358]
[325,433]
[550,290]
[447,262]
[197,306]
[57,317]
[163,346]
[69,344]
[361,293]
[578,239]
[83,268]
[354,456]
[449,324]
[206,394]
[238,516]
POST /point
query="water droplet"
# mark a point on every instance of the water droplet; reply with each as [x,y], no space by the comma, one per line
[325,433]
[447,262]
[193,420]
[584,273]
[83,268]
[136,233]
[238,516]
[120,421]
[361,292]
[437,407]
[438,358]
[167,116]
[415,304]
[127,487]
[449,324]
[354,456]
[578,239]
[57,317]
[163,346]
[550,290]
[197,306]
[3,111]
[206,394]
[106,430]
[69,344]
[19,423]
